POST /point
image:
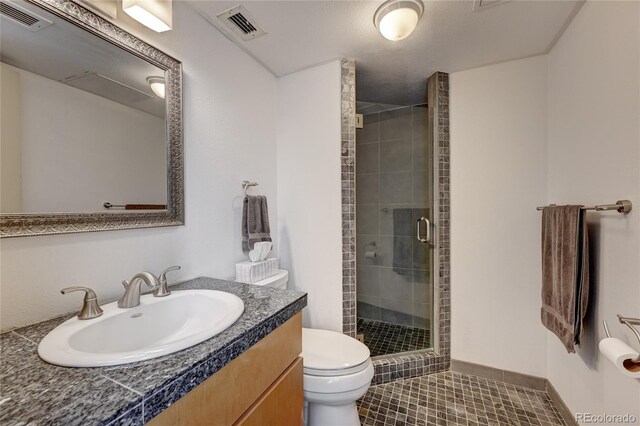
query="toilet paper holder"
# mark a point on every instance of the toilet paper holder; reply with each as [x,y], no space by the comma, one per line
[629,322]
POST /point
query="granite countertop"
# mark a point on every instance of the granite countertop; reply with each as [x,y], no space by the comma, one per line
[36,393]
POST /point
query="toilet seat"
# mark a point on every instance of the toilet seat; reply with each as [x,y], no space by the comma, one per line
[340,383]
[334,373]
[329,353]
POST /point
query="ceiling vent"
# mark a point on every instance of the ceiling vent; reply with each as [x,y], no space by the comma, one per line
[23,17]
[106,87]
[241,23]
[484,4]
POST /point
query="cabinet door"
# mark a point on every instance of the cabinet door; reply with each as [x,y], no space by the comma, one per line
[282,404]
[224,397]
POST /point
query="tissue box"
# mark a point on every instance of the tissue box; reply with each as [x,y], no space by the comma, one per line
[252,272]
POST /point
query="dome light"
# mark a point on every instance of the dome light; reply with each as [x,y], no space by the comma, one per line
[157,85]
[396,19]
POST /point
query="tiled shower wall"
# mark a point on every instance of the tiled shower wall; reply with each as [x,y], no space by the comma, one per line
[393,191]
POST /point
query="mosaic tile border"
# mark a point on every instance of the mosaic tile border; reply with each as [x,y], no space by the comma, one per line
[404,365]
[348,183]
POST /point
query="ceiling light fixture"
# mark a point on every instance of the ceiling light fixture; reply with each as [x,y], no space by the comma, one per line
[396,19]
[157,85]
[154,14]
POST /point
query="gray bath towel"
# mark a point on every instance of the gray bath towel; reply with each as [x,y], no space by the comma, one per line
[565,272]
[255,221]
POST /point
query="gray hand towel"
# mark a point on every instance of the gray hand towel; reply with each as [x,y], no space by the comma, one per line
[402,226]
[255,221]
[565,272]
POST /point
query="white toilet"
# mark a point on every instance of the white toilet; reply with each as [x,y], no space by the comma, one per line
[337,371]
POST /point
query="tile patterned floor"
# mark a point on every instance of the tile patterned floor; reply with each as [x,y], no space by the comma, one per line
[383,338]
[452,398]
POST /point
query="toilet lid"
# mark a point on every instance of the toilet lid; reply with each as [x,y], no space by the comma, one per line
[325,350]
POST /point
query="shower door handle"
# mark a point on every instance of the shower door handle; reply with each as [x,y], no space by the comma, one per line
[426,240]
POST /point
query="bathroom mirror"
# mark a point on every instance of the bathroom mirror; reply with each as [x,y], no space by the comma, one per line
[91,124]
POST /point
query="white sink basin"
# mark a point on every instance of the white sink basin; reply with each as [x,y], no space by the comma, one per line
[157,327]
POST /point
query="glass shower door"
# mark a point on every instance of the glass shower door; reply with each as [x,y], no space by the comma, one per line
[393,226]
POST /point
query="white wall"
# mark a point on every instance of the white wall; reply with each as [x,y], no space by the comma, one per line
[10,137]
[594,157]
[80,150]
[498,117]
[230,135]
[309,198]
[558,128]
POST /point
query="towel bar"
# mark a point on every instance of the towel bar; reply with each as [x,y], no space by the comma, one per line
[108,205]
[622,206]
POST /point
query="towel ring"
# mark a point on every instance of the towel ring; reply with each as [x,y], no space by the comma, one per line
[246,184]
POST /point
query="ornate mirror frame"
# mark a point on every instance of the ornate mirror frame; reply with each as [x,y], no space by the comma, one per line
[18,225]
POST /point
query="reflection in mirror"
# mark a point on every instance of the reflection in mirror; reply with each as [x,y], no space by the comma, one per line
[83,121]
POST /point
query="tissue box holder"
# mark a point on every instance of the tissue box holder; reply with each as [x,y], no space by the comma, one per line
[252,272]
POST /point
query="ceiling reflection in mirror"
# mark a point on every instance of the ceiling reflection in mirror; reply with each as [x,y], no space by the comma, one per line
[82,125]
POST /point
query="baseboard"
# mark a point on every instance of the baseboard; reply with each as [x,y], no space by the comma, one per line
[566,414]
[519,379]
[507,376]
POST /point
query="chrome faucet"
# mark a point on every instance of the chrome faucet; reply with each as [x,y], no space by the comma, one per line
[131,297]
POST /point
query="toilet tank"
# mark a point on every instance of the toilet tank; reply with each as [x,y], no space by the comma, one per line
[279,280]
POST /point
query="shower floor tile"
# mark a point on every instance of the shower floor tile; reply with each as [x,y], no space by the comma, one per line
[452,398]
[383,338]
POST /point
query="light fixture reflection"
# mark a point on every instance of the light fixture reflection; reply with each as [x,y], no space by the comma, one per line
[157,85]
[396,19]
[154,14]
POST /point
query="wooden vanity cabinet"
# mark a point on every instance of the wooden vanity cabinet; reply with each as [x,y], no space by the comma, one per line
[263,386]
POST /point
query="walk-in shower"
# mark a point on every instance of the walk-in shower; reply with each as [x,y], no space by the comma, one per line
[394,207]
